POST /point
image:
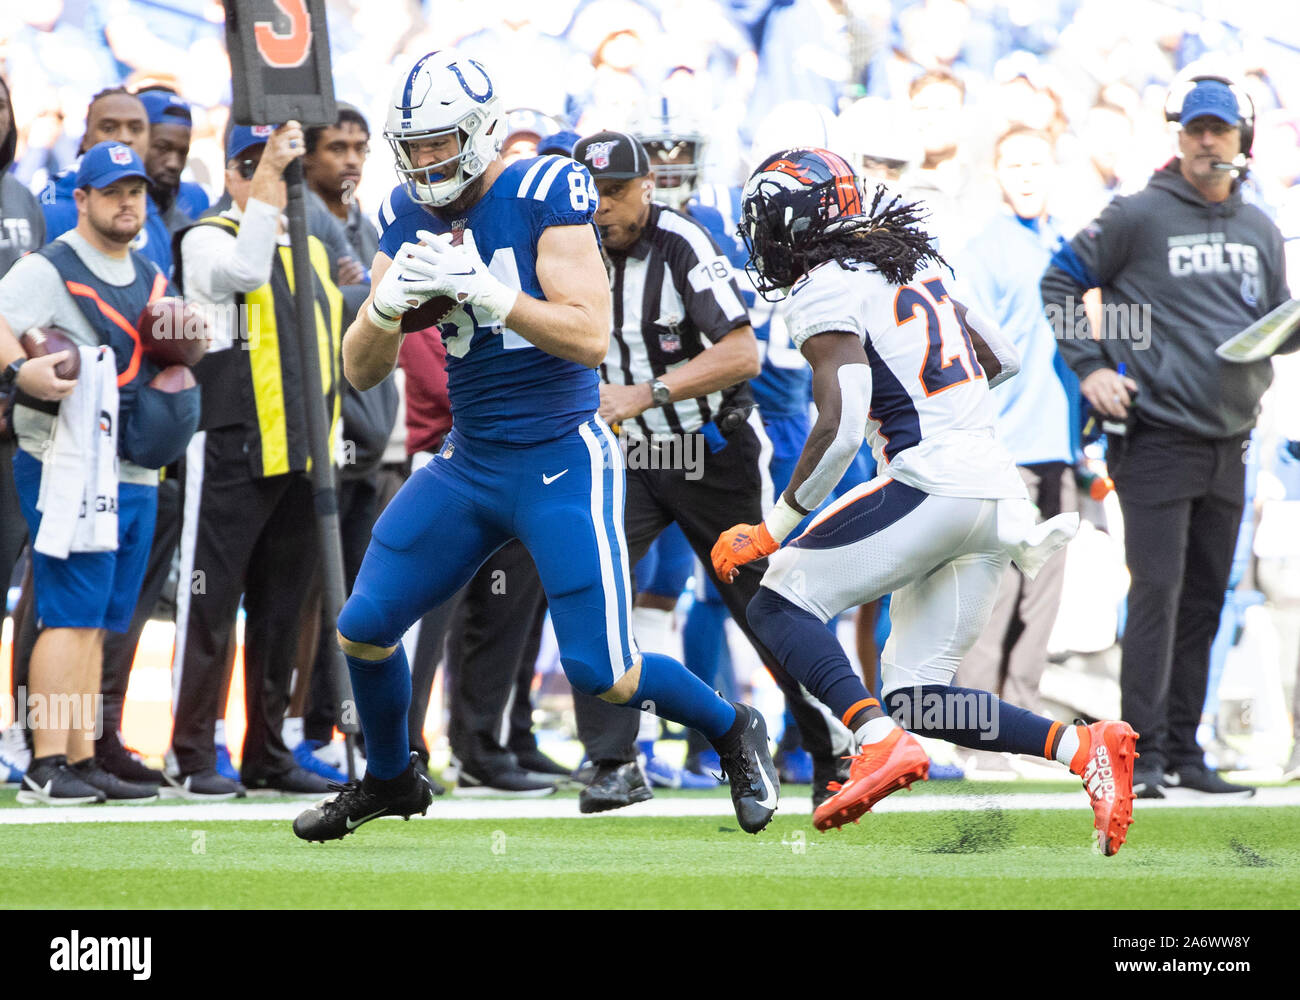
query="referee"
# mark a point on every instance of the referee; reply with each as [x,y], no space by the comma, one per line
[674,384]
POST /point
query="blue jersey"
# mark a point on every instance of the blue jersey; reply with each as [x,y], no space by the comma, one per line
[154,240]
[502,388]
[784,386]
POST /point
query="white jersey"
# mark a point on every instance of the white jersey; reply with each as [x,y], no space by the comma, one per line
[930,418]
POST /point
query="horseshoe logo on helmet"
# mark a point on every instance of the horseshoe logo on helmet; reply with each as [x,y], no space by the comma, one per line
[480,98]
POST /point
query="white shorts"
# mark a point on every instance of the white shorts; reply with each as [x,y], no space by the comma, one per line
[939,556]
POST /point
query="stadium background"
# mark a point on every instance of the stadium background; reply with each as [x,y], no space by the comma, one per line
[739,65]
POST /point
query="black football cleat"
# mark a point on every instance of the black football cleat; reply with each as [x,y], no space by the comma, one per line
[361,801]
[747,764]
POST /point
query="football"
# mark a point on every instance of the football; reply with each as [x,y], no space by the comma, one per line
[40,341]
[436,309]
[172,332]
[173,378]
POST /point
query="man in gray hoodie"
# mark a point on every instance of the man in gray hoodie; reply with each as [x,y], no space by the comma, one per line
[1182,266]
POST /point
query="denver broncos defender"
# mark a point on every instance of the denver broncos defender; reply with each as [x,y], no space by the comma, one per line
[527,457]
[893,355]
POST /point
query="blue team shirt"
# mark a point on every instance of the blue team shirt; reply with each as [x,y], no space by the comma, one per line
[784,387]
[502,388]
[60,209]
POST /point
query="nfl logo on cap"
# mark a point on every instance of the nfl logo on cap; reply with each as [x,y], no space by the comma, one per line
[119,155]
[262,131]
[598,154]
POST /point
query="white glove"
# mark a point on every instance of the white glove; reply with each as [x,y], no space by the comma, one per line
[461,273]
[409,282]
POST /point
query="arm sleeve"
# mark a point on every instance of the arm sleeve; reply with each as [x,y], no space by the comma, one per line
[222,266]
[855,390]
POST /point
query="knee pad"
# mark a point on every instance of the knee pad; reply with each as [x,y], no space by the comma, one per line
[586,677]
[361,621]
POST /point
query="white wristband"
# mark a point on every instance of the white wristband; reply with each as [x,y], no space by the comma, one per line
[496,301]
[382,321]
[782,519]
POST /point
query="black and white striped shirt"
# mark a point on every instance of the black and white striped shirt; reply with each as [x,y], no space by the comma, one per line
[674,295]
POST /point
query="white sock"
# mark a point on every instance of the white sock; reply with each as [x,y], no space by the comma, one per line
[220,731]
[874,730]
[649,728]
[654,631]
[1069,745]
[291,732]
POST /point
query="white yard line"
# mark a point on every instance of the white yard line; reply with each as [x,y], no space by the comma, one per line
[452,808]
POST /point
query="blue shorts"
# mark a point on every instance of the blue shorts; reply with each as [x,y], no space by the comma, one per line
[90,589]
[562,498]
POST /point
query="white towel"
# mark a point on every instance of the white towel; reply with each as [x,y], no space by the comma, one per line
[78,496]
[1031,544]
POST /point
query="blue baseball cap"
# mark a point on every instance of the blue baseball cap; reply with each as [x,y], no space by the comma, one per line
[559,142]
[244,137]
[107,162]
[1213,98]
[166,108]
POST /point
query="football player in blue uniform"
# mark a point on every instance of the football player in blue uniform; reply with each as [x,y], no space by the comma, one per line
[527,456]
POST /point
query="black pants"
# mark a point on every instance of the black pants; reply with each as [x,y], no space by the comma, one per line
[120,647]
[491,655]
[258,537]
[13,527]
[1182,498]
[728,492]
[490,631]
[358,510]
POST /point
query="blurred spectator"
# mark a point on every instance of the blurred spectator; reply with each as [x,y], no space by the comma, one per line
[946,178]
[1102,164]
[804,56]
[171,127]
[118,116]
[1000,270]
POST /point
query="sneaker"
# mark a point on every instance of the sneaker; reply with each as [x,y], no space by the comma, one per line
[875,771]
[15,754]
[293,781]
[1106,767]
[536,762]
[794,766]
[334,754]
[202,786]
[614,786]
[121,761]
[1148,782]
[696,781]
[115,789]
[225,767]
[706,763]
[512,781]
[946,772]
[661,774]
[747,764]
[49,781]
[304,754]
[361,801]
[1199,778]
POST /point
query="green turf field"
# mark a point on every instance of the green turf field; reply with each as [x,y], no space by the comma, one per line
[1175,858]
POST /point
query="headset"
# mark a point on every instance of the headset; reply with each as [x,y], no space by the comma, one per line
[1245,109]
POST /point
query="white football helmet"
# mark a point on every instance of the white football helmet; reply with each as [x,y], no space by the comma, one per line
[677,146]
[444,92]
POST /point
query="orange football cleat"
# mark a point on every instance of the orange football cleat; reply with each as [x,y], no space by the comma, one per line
[1106,766]
[877,769]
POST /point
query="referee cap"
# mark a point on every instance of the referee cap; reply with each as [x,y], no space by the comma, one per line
[612,155]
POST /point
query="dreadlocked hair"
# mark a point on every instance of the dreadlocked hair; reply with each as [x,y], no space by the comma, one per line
[889,237]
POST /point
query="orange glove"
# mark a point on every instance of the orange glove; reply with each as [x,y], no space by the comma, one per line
[740,544]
